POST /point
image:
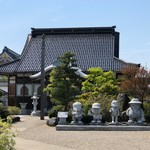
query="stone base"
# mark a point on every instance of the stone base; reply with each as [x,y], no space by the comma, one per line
[114,123]
[136,124]
[76,123]
[34,113]
[96,123]
[62,121]
[23,112]
[101,128]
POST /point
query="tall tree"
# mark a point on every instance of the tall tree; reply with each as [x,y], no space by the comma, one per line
[64,82]
[136,82]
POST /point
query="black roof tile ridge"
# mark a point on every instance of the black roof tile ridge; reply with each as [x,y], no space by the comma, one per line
[77,30]
[6,49]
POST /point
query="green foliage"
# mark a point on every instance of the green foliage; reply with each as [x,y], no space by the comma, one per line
[3,78]
[146,106]
[6,136]
[13,110]
[101,87]
[54,110]
[64,83]
[10,110]
[105,100]
[100,82]
[3,111]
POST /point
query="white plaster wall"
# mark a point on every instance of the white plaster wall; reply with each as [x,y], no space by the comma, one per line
[18,89]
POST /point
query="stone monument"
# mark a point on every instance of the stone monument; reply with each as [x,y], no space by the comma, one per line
[135,112]
[114,110]
[77,112]
[95,112]
[62,116]
[35,103]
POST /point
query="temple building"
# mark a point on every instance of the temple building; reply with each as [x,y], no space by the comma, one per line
[93,47]
[6,56]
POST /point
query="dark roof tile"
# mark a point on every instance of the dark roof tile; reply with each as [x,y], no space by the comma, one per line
[93,49]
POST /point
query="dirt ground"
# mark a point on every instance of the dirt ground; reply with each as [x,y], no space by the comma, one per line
[34,129]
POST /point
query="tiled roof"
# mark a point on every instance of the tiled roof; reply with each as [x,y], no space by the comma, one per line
[8,55]
[11,53]
[93,47]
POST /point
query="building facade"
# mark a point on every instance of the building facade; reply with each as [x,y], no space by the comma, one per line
[6,56]
[93,47]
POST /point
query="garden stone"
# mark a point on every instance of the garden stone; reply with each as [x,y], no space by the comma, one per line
[52,121]
[15,118]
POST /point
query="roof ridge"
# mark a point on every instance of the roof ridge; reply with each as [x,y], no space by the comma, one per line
[75,30]
[6,49]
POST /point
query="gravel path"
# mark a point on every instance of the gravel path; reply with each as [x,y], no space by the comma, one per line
[32,128]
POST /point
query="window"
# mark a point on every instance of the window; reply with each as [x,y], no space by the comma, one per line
[24,90]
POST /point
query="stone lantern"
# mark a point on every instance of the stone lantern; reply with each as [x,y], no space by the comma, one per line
[35,103]
[135,112]
[77,113]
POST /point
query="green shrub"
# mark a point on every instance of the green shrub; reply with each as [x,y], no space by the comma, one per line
[54,110]
[13,110]
[146,106]
[6,136]
[10,110]
[3,111]
[105,102]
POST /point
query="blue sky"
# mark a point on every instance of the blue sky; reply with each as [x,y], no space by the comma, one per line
[131,17]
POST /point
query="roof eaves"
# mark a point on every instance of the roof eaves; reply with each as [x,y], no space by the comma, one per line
[125,62]
[8,63]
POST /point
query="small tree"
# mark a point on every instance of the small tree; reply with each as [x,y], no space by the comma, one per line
[99,86]
[64,82]
[135,82]
[99,81]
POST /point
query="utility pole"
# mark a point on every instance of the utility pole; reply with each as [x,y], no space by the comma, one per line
[42,76]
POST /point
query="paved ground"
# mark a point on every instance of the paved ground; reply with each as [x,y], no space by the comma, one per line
[34,134]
